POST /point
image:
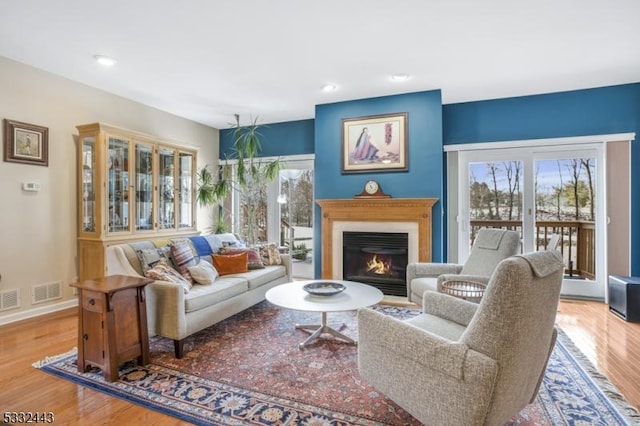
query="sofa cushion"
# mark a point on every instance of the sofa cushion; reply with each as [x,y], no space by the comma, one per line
[203,272]
[230,264]
[202,296]
[259,277]
[161,242]
[254,261]
[163,272]
[183,257]
[149,257]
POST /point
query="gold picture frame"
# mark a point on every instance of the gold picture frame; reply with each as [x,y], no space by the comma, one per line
[26,143]
[376,143]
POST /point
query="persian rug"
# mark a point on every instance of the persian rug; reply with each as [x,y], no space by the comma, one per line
[248,370]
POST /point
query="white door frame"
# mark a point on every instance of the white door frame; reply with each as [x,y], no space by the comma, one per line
[528,151]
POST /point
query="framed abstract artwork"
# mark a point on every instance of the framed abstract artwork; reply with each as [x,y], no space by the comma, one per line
[377,143]
[26,143]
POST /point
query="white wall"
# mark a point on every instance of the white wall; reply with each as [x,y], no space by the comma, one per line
[38,229]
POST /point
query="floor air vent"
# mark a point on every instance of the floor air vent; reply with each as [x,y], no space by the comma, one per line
[45,292]
[9,299]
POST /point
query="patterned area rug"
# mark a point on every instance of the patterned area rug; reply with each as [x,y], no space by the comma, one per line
[248,370]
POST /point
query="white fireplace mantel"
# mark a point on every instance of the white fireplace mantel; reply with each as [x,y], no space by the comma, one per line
[410,215]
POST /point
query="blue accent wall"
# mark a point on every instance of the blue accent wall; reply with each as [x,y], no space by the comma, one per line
[278,139]
[424,179]
[605,110]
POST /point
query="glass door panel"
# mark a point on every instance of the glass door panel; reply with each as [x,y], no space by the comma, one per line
[296,219]
[185,199]
[252,220]
[166,189]
[566,206]
[495,196]
[88,184]
[144,187]
[118,185]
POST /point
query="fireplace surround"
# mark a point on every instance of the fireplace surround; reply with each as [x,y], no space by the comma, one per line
[412,216]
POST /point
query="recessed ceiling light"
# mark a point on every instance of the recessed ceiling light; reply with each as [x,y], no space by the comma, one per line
[329,87]
[105,60]
[400,77]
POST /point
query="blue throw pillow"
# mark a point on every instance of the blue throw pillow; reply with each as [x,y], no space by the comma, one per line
[202,246]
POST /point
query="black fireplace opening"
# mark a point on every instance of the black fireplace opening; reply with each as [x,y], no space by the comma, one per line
[376,258]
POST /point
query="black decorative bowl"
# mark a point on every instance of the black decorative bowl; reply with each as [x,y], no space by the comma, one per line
[324,288]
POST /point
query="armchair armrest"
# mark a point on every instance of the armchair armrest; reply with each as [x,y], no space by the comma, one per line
[286,261]
[419,270]
[166,309]
[383,336]
[448,307]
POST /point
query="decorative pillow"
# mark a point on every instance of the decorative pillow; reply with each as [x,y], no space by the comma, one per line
[163,272]
[254,261]
[183,257]
[201,245]
[230,240]
[270,254]
[189,242]
[230,264]
[150,257]
[203,272]
[214,242]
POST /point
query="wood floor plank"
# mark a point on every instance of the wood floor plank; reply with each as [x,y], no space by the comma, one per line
[611,344]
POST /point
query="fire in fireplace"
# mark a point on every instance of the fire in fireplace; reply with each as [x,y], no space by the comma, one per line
[376,258]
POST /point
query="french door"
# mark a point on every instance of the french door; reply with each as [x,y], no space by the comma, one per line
[540,192]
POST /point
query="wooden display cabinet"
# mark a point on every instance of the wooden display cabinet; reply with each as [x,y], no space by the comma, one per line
[112,323]
[130,186]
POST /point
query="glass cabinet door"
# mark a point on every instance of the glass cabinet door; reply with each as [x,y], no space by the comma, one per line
[166,189]
[185,200]
[88,184]
[118,185]
[144,187]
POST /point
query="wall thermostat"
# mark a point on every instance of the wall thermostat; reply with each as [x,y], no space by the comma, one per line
[30,186]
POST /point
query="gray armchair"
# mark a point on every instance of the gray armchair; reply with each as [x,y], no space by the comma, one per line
[489,248]
[461,363]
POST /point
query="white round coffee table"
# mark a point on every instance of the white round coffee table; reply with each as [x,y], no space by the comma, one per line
[293,296]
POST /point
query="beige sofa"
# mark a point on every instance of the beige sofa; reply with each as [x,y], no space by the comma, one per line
[173,314]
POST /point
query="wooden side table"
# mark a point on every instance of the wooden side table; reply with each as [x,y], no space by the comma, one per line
[113,323]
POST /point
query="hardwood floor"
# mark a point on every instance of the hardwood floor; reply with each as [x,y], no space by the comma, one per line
[612,344]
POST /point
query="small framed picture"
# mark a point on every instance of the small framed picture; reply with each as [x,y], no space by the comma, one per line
[375,144]
[26,143]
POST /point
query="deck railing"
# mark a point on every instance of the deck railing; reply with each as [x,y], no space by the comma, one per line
[577,241]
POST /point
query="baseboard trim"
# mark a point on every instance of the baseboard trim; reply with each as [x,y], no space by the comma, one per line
[39,311]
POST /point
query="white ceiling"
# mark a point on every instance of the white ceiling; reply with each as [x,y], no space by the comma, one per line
[207,60]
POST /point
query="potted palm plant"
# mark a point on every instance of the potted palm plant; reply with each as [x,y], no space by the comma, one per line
[251,175]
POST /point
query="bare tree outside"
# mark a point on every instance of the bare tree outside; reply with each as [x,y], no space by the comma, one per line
[589,166]
[494,170]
